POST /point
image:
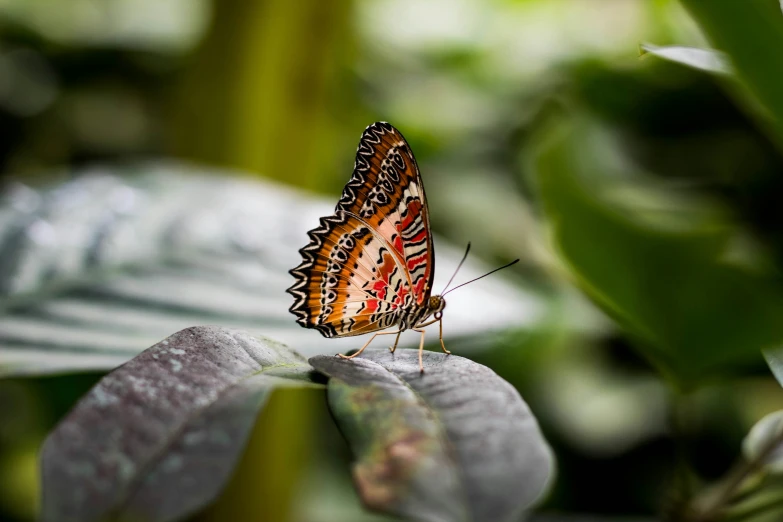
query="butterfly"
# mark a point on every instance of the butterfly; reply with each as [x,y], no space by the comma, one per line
[370,265]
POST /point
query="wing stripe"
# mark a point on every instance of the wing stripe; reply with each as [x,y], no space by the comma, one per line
[370,264]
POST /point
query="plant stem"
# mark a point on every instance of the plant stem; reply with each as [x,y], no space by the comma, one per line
[744,513]
[676,506]
[714,505]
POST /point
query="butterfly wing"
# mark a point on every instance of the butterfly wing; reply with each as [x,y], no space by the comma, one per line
[386,192]
[349,282]
[372,260]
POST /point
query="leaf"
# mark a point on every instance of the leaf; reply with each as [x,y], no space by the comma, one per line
[751,33]
[764,442]
[703,59]
[454,443]
[774,358]
[98,268]
[173,419]
[691,311]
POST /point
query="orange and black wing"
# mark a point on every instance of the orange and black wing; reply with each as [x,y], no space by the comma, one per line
[372,260]
[349,281]
[387,193]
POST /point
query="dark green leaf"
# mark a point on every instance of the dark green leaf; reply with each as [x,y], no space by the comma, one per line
[751,33]
[692,311]
[455,443]
[158,438]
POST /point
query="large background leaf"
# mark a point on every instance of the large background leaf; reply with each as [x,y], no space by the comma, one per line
[158,438]
[671,285]
[102,266]
[454,443]
[751,32]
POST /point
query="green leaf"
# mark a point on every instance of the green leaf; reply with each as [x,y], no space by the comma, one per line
[98,268]
[454,443]
[692,312]
[774,358]
[764,442]
[751,33]
[703,59]
[158,438]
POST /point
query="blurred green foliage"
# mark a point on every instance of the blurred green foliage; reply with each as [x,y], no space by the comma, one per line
[656,192]
[747,31]
[268,78]
[666,279]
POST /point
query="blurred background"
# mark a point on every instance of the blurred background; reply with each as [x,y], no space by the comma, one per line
[641,195]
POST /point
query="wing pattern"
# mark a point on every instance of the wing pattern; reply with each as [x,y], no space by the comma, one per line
[370,264]
[386,191]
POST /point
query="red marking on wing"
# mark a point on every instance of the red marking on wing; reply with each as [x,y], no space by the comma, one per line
[400,299]
[419,289]
[337,289]
[380,289]
[385,272]
[415,261]
[419,237]
[385,172]
[382,148]
[372,306]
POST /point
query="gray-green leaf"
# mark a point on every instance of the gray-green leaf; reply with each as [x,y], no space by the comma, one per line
[774,358]
[765,442]
[455,443]
[158,438]
[703,59]
[98,268]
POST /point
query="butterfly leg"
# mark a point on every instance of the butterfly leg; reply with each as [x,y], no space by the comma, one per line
[436,320]
[421,348]
[368,343]
[443,346]
[395,342]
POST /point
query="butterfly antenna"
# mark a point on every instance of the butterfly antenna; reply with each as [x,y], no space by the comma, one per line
[464,257]
[485,275]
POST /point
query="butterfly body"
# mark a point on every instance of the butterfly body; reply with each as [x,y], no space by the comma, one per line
[370,265]
[417,315]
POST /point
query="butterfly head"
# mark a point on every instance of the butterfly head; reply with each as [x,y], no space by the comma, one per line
[436,305]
